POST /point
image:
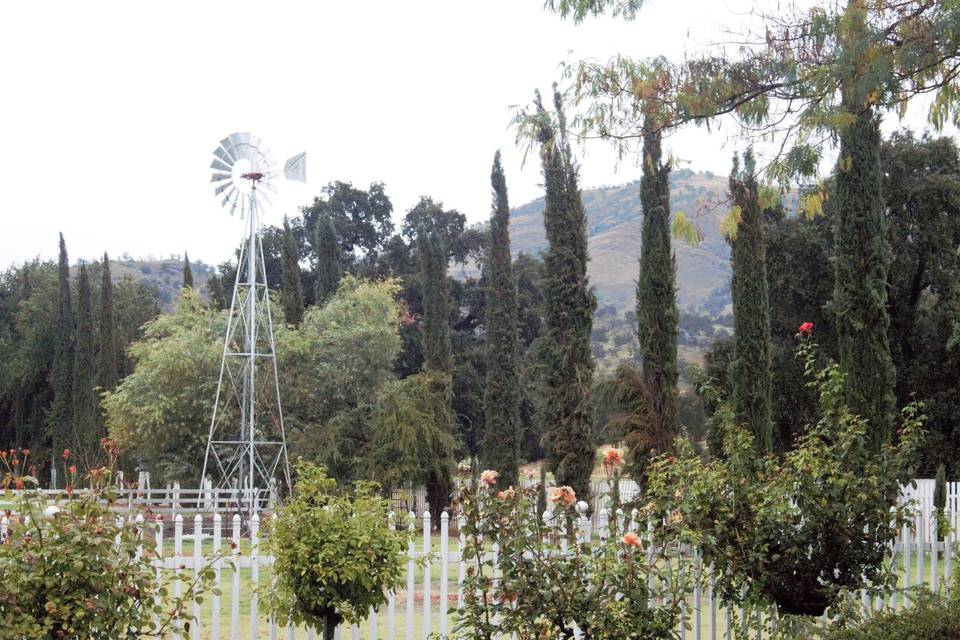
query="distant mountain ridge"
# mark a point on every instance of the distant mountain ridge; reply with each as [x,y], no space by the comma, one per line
[614,229]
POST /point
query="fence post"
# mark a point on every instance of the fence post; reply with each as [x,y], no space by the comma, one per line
[444,569]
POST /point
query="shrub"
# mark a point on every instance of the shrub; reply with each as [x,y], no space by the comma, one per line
[547,582]
[931,617]
[335,555]
[795,532]
[70,569]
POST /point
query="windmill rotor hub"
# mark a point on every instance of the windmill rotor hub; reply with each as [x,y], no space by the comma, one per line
[252,176]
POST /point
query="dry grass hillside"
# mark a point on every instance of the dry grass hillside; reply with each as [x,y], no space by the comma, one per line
[614,224]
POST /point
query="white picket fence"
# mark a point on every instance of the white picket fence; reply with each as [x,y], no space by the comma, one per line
[427,604]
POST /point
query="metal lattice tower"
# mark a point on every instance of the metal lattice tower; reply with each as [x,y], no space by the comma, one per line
[246,445]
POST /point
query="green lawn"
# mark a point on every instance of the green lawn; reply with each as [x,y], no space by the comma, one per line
[246,587]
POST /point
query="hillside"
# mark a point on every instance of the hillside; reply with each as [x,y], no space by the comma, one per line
[166,275]
[614,228]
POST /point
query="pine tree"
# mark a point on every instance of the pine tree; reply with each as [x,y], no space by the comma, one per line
[187,272]
[292,288]
[329,267]
[859,302]
[568,414]
[107,376]
[86,429]
[60,417]
[750,368]
[501,398]
[656,296]
[436,306]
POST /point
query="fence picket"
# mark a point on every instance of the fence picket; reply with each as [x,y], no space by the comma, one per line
[426,574]
[235,601]
[254,574]
[217,566]
[177,553]
[444,568]
[197,555]
[411,553]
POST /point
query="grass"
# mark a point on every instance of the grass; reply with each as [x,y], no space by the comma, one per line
[246,587]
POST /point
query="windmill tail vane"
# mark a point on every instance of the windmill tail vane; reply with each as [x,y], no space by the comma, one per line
[246,446]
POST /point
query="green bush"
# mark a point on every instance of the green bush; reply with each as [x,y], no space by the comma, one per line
[335,555]
[800,531]
[932,617]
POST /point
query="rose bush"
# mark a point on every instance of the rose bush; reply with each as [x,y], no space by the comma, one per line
[69,569]
[536,577]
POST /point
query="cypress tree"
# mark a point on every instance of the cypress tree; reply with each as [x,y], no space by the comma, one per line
[436,306]
[438,360]
[292,293]
[750,368]
[656,294]
[218,297]
[501,398]
[187,272]
[86,429]
[107,376]
[329,267]
[568,414]
[862,260]
[60,417]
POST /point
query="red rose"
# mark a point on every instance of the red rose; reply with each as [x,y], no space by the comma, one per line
[805,329]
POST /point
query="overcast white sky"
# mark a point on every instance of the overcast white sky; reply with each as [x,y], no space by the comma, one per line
[110,110]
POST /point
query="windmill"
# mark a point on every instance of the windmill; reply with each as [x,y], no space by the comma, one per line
[246,445]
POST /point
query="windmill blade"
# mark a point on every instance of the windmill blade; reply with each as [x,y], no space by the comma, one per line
[296,167]
[220,177]
[223,187]
[224,155]
[220,165]
[225,151]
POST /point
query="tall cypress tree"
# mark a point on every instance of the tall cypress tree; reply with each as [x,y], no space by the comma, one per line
[501,398]
[750,368]
[86,428]
[107,375]
[329,266]
[862,254]
[187,272]
[218,297]
[436,306]
[60,417]
[568,414]
[656,294]
[438,360]
[292,293]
